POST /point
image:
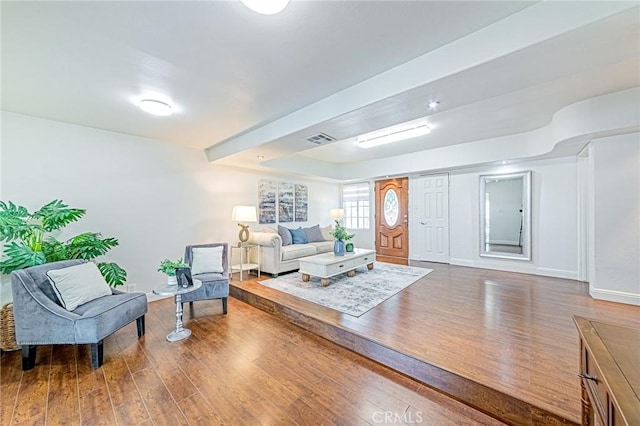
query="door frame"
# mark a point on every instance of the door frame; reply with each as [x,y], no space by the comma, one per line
[402,217]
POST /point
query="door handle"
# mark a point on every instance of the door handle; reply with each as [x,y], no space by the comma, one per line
[422,222]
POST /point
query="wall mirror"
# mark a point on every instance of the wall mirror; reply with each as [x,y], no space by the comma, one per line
[505,215]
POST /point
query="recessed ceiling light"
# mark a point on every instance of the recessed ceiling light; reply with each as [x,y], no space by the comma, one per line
[433,104]
[504,161]
[266,7]
[155,107]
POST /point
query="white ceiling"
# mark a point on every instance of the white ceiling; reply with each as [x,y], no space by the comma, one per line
[248,85]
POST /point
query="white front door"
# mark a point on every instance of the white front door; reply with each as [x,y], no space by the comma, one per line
[429,219]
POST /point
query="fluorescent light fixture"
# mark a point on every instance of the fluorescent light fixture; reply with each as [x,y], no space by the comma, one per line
[266,7]
[155,107]
[399,132]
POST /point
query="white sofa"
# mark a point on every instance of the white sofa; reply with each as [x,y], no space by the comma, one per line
[276,258]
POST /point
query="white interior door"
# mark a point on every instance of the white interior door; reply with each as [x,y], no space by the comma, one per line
[429,219]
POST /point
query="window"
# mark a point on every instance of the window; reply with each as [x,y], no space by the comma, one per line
[355,201]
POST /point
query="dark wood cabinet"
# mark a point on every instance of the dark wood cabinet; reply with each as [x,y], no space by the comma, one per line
[609,372]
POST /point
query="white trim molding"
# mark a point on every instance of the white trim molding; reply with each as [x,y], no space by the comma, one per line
[615,296]
[523,268]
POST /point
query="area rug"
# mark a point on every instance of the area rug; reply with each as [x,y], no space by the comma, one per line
[351,295]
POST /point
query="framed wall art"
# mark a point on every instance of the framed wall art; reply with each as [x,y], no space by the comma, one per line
[267,201]
[285,202]
[301,201]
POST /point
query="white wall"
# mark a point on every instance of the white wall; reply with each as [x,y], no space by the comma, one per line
[153,196]
[615,227]
[553,216]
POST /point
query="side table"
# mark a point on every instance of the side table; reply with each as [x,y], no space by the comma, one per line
[176,290]
[245,259]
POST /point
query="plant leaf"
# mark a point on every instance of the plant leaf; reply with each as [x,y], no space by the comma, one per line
[14,222]
[112,273]
[56,215]
[54,250]
[89,246]
[20,256]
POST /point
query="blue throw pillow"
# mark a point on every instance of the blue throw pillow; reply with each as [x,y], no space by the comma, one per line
[298,236]
[285,235]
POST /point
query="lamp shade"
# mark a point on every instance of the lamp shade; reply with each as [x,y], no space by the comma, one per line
[336,213]
[244,214]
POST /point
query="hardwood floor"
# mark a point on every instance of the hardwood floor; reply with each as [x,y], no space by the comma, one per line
[502,342]
[245,368]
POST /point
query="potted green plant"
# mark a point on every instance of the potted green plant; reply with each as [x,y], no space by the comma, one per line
[168,267]
[341,235]
[25,244]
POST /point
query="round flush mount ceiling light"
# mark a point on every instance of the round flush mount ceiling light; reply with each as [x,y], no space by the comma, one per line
[266,7]
[155,107]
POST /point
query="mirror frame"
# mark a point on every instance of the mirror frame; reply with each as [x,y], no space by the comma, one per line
[526,216]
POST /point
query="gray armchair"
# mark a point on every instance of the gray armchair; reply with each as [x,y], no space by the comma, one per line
[214,285]
[41,320]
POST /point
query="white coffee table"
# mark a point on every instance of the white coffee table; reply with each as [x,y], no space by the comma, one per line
[326,265]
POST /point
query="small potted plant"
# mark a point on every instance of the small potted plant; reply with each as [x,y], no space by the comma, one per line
[168,267]
[341,235]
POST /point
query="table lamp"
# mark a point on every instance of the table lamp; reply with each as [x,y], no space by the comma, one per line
[244,214]
[336,214]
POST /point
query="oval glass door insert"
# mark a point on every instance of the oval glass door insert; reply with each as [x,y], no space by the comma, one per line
[391,209]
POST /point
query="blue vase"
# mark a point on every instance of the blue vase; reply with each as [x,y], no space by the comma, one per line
[338,248]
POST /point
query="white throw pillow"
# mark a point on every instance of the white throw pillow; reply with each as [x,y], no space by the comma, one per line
[207,260]
[325,232]
[78,284]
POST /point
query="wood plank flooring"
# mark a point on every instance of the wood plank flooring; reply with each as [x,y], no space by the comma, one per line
[245,368]
[504,332]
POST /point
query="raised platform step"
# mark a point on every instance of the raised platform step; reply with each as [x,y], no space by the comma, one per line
[506,408]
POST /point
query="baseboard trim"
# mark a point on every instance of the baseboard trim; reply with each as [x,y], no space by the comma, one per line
[558,273]
[615,296]
[509,266]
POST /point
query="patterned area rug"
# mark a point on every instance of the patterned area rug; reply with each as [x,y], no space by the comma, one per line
[355,295]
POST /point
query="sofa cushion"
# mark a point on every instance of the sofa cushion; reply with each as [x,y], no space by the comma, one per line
[285,234]
[296,251]
[298,236]
[103,316]
[210,277]
[326,233]
[324,246]
[207,260]
[313,234]
[214,286]
[76,285]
